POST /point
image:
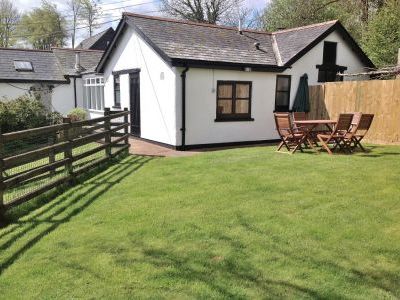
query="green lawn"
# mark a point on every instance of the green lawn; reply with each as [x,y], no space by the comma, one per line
[242,223]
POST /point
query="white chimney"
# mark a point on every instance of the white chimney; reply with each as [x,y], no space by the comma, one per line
[240,26]
[78,67]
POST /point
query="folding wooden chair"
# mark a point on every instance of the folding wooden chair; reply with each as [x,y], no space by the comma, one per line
[291,139]
[362,129]
[340,134]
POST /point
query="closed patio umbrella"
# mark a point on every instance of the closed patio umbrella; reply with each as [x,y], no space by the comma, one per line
[302,99]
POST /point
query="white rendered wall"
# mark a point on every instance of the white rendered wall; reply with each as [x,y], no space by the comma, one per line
[307,64]
[201,99]
[13,90]
[63,98]
[157,87]
[201,127]
[62,95]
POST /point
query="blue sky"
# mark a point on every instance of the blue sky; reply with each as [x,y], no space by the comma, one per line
[113,9]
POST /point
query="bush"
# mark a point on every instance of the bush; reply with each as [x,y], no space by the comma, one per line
[25,112]
[77,114]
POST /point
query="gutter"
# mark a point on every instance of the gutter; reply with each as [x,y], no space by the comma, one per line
[183,128]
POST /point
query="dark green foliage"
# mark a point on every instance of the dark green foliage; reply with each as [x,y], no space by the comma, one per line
[382,39]
[25,112]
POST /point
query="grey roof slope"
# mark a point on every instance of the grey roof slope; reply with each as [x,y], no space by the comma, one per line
[98,41]
[293,41]
[66,58]
[183,43]
[185,40]
[45,65]
[54,65]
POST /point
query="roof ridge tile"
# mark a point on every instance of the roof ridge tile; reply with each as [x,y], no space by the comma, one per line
[306,26]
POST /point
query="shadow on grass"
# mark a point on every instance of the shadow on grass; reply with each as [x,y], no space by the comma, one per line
[25,233]
[222,274]
[376,278]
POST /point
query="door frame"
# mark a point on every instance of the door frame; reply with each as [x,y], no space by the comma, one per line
[136,72]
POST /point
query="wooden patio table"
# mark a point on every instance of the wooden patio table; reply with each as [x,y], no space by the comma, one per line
[311,124]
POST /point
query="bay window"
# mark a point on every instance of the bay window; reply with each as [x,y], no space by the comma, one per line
[93,93]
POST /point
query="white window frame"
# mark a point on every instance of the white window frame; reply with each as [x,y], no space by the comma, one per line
[93,86]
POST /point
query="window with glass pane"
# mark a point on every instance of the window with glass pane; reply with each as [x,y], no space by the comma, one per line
[233,100]
[94,93]
[282,93]
[117,91]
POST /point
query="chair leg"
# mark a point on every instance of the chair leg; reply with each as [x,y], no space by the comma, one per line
[325,145]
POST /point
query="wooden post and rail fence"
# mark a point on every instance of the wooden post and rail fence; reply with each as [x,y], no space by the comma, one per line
[70,149]
[378,97]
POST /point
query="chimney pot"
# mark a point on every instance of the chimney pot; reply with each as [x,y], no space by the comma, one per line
[78,67]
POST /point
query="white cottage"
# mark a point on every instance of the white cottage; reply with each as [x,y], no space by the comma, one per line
[55,74]
[193,85]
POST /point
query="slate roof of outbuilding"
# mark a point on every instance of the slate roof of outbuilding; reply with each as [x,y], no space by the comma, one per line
[48,66]
[67,57]
[180,42]
[98,41]
[45,65]
[292,41]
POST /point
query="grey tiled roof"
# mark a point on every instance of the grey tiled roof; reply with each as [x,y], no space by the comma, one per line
[206,43]
[292,41]
[45,65]
[66,57]
[98,41]
[52,65]
[203,42]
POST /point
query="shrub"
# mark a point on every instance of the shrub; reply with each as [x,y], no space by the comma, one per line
[77,114]
[25,112]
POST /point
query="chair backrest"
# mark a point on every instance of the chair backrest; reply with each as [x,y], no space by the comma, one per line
[344,122]
[299,116]
[365,122]
[283,124]
[355,122]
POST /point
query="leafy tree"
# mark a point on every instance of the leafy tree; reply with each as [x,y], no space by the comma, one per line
[44,27]
[75,7]
[354,14]
[9,17]
[382,39]
[205,11]
[90,13]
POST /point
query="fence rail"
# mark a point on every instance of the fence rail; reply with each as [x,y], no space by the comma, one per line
[379,97]
[36,160]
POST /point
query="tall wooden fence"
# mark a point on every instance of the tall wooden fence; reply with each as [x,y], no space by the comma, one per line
[379,97]
[36,160]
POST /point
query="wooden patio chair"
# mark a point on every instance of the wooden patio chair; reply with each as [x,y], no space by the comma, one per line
[291,138]
[361,130]
[340,135]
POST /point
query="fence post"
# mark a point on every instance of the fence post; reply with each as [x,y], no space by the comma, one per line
[107,128]
[126,130]
[2,188]
[68,151]
[52,155]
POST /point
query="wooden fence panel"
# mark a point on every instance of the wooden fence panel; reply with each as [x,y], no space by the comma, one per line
[40,159]
[379,97]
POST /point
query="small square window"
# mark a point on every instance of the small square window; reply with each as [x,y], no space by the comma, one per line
[23,66]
